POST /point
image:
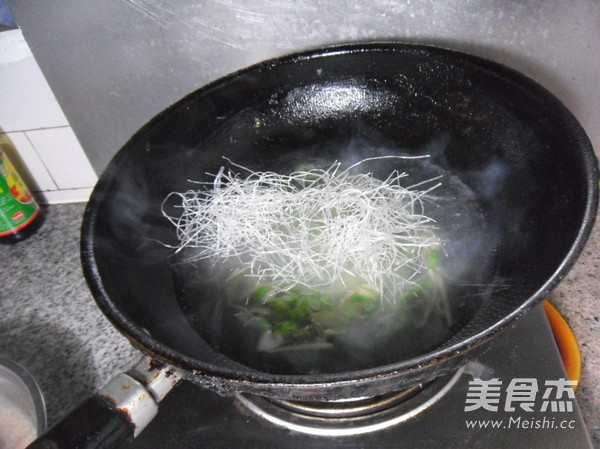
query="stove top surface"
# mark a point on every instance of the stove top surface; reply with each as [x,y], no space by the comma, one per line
[512,396]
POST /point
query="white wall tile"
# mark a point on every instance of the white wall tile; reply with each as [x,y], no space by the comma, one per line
[26,100]
[32,169]
[63,157]
[51,158]
[66,196]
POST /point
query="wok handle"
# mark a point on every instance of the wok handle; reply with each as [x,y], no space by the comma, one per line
[94,424]
[118,412]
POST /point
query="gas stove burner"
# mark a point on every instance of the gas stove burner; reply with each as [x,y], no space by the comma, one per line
[348,408]
[350,417]
[427,417]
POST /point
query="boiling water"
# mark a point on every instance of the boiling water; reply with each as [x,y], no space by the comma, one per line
[215,299]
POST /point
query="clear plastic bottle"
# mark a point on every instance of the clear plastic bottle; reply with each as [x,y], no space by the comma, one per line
[19,211]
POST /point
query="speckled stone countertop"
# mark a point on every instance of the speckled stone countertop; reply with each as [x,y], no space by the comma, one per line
[50,324]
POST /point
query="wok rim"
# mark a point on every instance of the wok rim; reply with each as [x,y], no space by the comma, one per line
[253,379]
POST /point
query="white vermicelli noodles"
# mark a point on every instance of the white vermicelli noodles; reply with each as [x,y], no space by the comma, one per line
[315,228]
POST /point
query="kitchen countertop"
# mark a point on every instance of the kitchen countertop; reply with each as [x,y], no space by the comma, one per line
[50,324]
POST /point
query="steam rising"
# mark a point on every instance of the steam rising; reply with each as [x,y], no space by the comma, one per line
[298,292]
[321,229]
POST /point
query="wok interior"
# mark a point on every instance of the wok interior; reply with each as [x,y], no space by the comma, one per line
[513,150]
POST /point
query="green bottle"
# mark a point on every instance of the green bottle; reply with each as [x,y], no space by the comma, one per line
[19,212]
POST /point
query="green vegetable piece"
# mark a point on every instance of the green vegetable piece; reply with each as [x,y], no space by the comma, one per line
[433,259]
[286,327]
[358,298]
[283,304]
[300,311]
[261,293]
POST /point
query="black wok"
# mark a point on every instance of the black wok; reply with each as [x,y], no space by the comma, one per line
[504,144]
[369,99]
